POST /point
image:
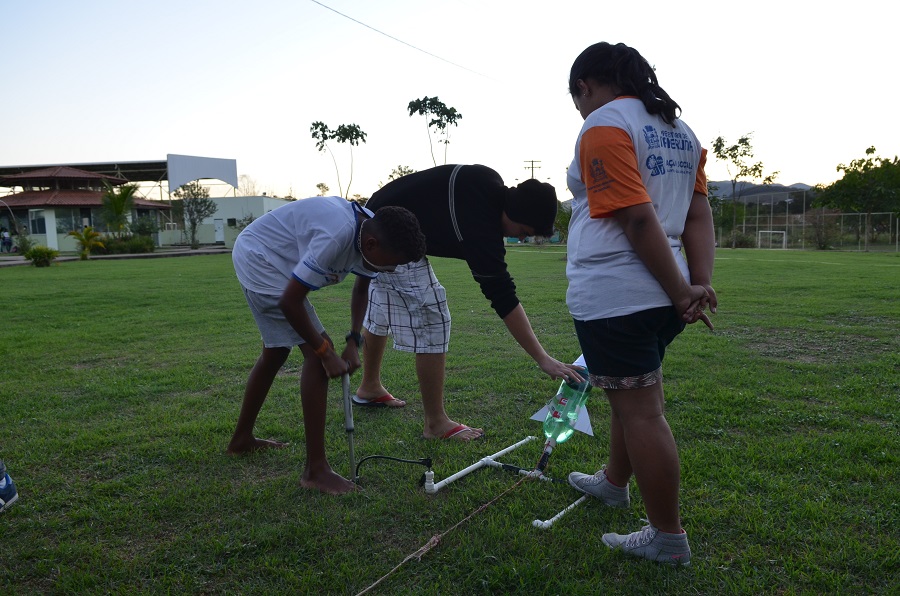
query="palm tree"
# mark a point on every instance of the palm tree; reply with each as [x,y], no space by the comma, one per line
[117,204]
[87,239]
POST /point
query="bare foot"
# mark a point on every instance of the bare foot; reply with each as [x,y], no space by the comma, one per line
[456,432]
[328,482]
[239,447]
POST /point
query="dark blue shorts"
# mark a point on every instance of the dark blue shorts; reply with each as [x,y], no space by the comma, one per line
[627,352]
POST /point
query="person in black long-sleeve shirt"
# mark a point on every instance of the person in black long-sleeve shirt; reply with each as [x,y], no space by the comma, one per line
[465,213]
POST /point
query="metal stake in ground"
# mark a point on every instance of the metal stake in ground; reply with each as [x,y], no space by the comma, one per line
[348,424]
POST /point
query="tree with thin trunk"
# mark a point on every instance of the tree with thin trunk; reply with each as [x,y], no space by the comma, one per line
[344,133]
[737,158]
[441,117]
[247,186]
[197,206]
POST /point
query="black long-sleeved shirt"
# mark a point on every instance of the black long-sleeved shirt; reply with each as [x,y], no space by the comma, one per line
[460,221]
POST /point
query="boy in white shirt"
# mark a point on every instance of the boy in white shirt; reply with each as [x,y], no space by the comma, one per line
[279,259]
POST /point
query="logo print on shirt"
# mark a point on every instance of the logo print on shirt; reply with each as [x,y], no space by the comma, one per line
[676,140]
[656,165]
[651,137]
[598,172]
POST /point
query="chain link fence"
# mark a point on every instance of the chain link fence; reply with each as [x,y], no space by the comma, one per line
[787,220]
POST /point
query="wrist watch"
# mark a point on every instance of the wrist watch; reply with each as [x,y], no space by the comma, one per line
[356,337]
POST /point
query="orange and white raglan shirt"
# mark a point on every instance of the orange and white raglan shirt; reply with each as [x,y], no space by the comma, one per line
[625,156]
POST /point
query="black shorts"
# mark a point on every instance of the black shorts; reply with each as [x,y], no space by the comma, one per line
[627,352]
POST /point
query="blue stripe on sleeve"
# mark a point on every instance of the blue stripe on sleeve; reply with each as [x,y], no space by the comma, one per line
[305,283]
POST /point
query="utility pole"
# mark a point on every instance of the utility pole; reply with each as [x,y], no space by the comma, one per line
[532,167]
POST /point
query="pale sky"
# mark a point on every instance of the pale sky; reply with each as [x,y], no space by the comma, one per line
[114,80]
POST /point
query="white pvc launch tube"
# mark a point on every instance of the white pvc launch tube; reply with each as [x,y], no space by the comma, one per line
[545,525]
[431,487]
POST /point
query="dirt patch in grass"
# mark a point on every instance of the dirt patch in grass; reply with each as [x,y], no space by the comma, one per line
[813,347]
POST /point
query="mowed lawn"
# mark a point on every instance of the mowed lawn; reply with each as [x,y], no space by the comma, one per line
[121,383]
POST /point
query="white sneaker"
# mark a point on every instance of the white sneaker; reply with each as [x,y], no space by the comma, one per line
[597,485]
[650,543]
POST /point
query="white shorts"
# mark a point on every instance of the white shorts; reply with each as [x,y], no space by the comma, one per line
[273,326]
[410,304]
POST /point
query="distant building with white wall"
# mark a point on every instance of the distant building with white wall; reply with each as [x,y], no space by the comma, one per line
[56,199]
[232,214]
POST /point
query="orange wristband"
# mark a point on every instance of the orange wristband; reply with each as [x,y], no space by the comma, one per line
[322,349]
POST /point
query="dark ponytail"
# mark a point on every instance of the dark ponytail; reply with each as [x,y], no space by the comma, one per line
[624,68]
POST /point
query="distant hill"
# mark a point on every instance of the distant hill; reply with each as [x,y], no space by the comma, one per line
[747,189]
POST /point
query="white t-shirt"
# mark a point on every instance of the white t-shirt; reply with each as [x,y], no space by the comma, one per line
[625,156]
[314,241]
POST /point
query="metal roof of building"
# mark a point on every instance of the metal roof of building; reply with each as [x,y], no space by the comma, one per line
[130,171]
[49,176]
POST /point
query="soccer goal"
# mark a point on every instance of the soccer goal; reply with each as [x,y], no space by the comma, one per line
[771,239]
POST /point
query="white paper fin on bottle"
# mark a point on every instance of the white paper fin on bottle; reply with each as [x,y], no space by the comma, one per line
[582,425]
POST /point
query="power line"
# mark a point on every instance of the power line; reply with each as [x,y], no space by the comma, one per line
[399,40]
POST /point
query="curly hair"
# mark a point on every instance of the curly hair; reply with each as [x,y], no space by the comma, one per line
[625,68]
[398,231]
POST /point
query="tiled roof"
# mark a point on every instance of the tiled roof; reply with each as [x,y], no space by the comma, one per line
[37,199]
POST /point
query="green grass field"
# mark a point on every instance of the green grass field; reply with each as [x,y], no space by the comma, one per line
[121,383]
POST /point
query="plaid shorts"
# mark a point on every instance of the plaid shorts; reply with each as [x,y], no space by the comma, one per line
[410,304]
[274,328]
[627,352]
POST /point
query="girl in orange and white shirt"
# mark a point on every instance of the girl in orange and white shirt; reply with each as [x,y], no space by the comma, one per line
[640,261]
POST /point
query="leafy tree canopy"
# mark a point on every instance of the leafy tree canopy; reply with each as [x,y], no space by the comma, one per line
[870,184]
[738,158]
[191,190]
[400,172]
[442,117]
[197,206]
